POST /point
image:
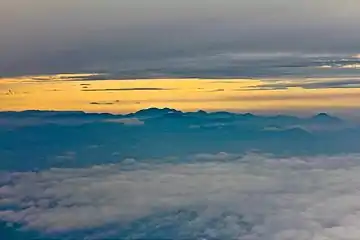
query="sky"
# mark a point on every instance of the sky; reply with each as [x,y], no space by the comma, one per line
[301,55]
[340,96]
[87,35]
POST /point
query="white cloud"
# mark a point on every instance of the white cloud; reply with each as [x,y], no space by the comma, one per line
[281,198]
[127,121]
[222,156]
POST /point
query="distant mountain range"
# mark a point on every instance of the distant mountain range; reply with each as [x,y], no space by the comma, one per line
[43,139]
[164,113]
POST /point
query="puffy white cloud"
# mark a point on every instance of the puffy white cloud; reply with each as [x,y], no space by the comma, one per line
[256,197]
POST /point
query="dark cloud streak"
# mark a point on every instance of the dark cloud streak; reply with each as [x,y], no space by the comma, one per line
[346,83]
[125,89]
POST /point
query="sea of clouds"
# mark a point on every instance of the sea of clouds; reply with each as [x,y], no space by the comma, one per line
[253,197]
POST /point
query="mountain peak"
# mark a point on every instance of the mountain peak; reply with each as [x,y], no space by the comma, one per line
[322,115]
[156,111]
[325,117]
[249,115]
[201,112]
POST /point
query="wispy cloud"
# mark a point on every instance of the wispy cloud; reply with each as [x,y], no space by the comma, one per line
[308,84]
[127,121]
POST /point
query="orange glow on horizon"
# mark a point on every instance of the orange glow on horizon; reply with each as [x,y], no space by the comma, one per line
[123,96]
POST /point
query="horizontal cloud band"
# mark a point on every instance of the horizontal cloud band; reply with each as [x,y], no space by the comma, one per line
[255,197]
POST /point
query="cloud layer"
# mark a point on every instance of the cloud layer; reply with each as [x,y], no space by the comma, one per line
[43,37]
[256,197]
